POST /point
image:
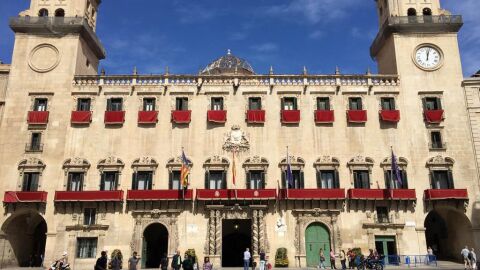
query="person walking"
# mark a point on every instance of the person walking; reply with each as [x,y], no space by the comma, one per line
[187,263]
[116,263]
[246,259]
[101,263]
[321,254]
[429,255]
[164,262]
[343,259]
[473,259]
[332,260]
[133,261]
[177,261]
[207,265]
[465,253]
[351,258]
[262,259]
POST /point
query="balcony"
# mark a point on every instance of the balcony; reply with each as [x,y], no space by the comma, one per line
[390,115]
[89,196]
[159,195]
[239,194]
[290,116]
[25,197]
[401,194]
[445,194]
[114,117]
[433,116]
[38,118]
[357,116]
[217,116]
[437,146]
[81,117]
[313,194]
[34,148]
[255,116]
[324,116]
[181,117]
[147,117]
[382,194]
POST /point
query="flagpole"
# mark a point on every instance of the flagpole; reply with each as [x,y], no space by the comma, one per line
[286,173]
[391,167]
[234,175]
[183,188]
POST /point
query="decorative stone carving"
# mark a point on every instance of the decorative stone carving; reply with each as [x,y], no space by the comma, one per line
[296,163]
[255,233]
[440,161]
[145,163]
[112,163]
[236,140]
[44,58]
[216,163]
[256,163]
[31,164]
[76,164]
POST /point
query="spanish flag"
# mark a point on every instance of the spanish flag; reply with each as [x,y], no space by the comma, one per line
[184,171]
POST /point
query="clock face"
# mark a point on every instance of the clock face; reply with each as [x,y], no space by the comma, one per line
[428,57]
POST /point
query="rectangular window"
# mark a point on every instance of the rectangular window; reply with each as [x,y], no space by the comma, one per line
[35,142]
[391,181]
[142,180]
[40,104]
[388,104]
[114,105]
[75,181]
[181,104]
[361,179]
[297,176]
[436,140]
[355,104]
[175,180]
[217,180]
[109,181]
[442,179]
[83,104]
[86,247]
[254,103]
[148,104]
[217,104]
[382,215]
[327,179]
[432,103]
[256,179]
[323,103]
[89,215]
[289,104]
[30,182]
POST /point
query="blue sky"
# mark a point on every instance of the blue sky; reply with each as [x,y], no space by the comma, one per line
[287,34]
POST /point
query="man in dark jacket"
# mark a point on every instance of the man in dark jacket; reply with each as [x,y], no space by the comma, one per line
[101,263]
[177,261]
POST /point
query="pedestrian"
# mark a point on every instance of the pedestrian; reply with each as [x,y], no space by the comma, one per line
[164,262]
[116,263]
[473,260]
[332,260]
[429,255]
[177,261]
[465,253]
[262,260]
[207,265]
[246,259]
[351,258]
[321,254]
[133,261]
[101,263]
[187,263]
[343,259]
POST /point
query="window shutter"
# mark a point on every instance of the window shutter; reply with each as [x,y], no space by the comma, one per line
[450,180]
[424,102]
[360,104]
[34,184]
[117,176]
[295,105]
[283,103]
[336,179]
[259,100]
[430,176]
[319,179]
[224,180]
[284,185]
[69,183]
[82,179]
[109,104]
[249,179]
[263,180]
[102,181]
[404,179]
[302,180]
[150,180]
[134,181]
[177,104]
[439,103]
[170,180]
[207,176]
[386,176]
[185,104]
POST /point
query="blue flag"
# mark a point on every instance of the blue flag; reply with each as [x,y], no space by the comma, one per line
[396,170]
[289,173]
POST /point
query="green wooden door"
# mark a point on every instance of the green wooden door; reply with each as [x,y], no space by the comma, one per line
[316,238]
[144,253]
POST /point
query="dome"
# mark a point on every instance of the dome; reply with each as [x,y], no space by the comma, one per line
[228,64]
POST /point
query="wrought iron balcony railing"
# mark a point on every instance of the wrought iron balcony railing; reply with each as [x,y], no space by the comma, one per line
[34,147]
[441,19]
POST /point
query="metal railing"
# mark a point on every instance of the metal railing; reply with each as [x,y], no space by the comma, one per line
[410,260]
[437,146]
[441,19]
[59,21]
[29,147]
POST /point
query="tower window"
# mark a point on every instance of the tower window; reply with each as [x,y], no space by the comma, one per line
[40,104]
[35,142]
[361,179]
[289,104]
[75,181]
[217,104]
[256,179]
[436,140]
[174,182]
[323,103]
[388,104]
[149,104]
[216,179]
[427,12]
[142,180]
[382,215]
[442,179]
[412,12]
[355,103]
[254,103]
[30,182]
[83,104]
[297,179]
[181,104]
[60,13]
[89,216]
[109,181]
[114,104]
[43,12]
[432,103]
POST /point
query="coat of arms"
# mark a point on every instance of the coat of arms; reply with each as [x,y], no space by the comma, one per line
[236,141]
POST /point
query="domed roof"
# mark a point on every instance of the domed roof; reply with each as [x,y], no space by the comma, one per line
[228,64]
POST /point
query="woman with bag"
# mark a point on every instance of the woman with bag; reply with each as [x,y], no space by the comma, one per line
[321,265]
[207,265]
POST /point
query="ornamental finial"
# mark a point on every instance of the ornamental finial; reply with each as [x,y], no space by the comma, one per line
[135,70]
[229,52]
[271,70]
[304,70]
[337,70]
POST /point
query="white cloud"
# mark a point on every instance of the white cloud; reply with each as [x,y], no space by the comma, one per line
[194,13]
[316,34]
[265,47]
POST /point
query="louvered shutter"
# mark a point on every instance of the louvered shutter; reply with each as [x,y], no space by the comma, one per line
[450,180]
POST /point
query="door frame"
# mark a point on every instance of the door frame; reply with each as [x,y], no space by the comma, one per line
[327,254]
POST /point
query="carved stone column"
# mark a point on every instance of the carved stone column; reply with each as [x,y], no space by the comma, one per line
[261,233]
[218,232]
[210,247]
[255,232]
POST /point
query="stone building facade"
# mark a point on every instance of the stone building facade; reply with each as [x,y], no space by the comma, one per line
[92,162]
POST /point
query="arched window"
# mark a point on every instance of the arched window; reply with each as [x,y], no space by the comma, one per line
[216,172]
[412,12]
[440,169]
[43,12]
[75,172]
[174,166]
[392,180]
[60,12]
[256,169]
[297,179]
[361,168]
[143,171]
[110,170]
[327,172]
[30,171]
[427,12]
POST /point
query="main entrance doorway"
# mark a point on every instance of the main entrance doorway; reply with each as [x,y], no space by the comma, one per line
[317,237]
[155,245]
[386,246]
[237,236]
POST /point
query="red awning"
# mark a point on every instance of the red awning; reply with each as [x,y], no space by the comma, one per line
[255,116]
[402,194]
[445,194]
[390,115]
[433,116]
[81,117]
[147,117]
[217,116]
[357,116]
[114,117]
[25,197]
[366,194]
[313,194]
[181,117]
[89,196]
[239,194]
[159,195]
[324,116]
[38,118]
[290,116]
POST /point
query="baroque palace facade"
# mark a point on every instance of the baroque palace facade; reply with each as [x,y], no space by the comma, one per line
[92,162]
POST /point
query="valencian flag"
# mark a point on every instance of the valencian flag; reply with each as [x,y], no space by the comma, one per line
[396,170]
[184,171]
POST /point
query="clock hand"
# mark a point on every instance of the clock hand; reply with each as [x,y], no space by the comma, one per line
[428,53]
